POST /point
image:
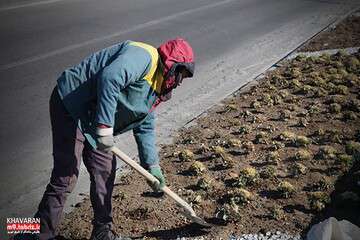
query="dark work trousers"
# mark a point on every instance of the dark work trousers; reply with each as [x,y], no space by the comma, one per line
[69,145]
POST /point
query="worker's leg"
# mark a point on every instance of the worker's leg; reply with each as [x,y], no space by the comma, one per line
[101,167]
[68,143]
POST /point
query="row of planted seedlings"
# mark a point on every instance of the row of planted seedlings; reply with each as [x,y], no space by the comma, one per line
[284,124]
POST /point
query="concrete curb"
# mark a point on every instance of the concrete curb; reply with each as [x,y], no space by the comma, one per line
[328,51]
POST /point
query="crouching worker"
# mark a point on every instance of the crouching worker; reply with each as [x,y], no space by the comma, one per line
[110,92]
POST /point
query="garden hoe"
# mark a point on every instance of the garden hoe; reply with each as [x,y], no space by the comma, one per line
[188,212]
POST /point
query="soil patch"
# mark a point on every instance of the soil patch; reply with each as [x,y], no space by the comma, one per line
[345,34]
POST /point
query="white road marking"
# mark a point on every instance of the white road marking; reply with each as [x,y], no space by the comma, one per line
[117,34]
[28,5]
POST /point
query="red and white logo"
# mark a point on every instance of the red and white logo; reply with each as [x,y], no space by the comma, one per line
[23,225]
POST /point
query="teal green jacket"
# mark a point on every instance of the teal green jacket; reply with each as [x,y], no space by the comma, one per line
[116,86]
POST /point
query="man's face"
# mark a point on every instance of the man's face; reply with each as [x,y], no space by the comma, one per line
[180,75]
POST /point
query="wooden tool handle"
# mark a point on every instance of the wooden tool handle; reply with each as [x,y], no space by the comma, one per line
[178,200]
[152,179]
[134,165]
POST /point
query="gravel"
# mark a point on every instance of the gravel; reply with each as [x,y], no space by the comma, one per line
[267,236]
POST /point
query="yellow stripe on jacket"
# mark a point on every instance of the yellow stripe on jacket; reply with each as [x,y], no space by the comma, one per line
[154,77]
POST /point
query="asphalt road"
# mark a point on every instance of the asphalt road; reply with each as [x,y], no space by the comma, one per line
[234,41]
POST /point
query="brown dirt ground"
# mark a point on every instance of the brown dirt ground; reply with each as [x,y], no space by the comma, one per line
[345,34]
[296,97]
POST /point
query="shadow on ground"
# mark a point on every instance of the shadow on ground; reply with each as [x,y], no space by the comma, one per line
[189,231]
[340,207]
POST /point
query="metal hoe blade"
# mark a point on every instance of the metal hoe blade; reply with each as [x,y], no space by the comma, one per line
[192,216]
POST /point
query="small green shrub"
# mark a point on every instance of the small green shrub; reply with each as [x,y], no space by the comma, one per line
[248,146]
[286,189]
[344,160]
[318,200]
[349,116]
[314,109]
[353,148]
[303,122]
[320,92]
[228,212]
[332,71]
[268,172]
[197,168]
[255,104]
[352,64]
[276,145]
[277,213]
[231,107]
[285,115]
[267,99]
[261,138]
[336,99]
[319,132]
[295,84]
[203,149]
[303,155]
[340,89]
[273,157]
[327,152]
[186,155]
[286,136]
[240,196]
[301,141]
[284,93]
[218,150]
[335,108]
[204,183]
[322,185]
[297,169]
[305,90]
[233,142]
[247,177]
[244,130]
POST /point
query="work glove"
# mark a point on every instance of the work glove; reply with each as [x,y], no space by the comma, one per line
[157,173]
[105,139]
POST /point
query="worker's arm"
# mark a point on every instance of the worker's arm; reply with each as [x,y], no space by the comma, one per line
[149,158]
[145,138]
